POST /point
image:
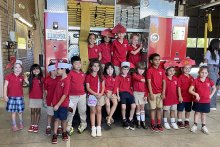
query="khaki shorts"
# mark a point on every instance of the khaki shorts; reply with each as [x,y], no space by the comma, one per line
[157,102]
[101,101]
[172,107]
[117,70]
[110,95]
[139,98]
[50,111]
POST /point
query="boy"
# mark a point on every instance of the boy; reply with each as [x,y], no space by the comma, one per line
[156,85]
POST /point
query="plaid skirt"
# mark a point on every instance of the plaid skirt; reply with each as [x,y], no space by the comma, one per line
[15,104]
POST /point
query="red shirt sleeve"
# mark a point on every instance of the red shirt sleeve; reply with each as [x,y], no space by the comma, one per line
[148,75]
[211,83]
[136,77]
[116,85]
[87,79]
[164,75]
[46,84]
[66,87]
[193,83]
[7,77]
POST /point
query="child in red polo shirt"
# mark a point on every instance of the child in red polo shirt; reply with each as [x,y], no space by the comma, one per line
[110,91]
[134,55]
[77,95]
[185,98]
[120,47]
[13,95]
[60,100]
[105,46]
[140,93]
[95,86]
[156,86]
[171,98]
[94,51]
[124,86]
[200,88]
[35,82]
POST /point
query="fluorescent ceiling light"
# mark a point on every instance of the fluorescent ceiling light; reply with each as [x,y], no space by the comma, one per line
[18,16]
[211,4]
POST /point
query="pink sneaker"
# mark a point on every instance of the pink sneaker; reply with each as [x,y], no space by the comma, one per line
[14,128]
[31,128]
[35,130]
[21,127]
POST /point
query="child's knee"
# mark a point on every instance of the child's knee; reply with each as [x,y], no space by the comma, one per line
[133,106]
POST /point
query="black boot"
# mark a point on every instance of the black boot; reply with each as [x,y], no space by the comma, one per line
[138,124]
[143,124]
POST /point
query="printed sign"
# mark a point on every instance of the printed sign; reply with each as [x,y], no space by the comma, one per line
[56,34]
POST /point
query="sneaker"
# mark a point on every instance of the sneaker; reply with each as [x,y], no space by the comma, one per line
[35,130]
[31,128]
[54,139]
[143,124]
[48,131]
[205,130]
[93,133]
[21,127]
[138,124]
[194,128]
[160,128]
[174,125]
[186,124]
[131,124]
[213,109]
[82,127]
[180,124]
[154,128]
[125,124]
[70,131]
[14,128]
[167,126]
[64,136]
[98,131]
[59,131]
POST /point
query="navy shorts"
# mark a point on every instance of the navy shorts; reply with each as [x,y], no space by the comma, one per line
[201,107]
[15,104]
[218,82]
[126,98]
[61,113]
[184,105]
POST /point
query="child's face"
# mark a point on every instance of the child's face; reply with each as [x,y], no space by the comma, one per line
[92,39]
[156,61]
[77,65]
[36,71]
[53,73]
[187,69]
[60,71]
[204,73]
[171,71]
[17,69]
[124,70]
[140,71]
[107,39]
[95,67]
[121,35]
[110,71]
[134,40]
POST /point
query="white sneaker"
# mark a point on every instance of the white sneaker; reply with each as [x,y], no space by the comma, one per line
[205,130]
[218,93]
[167,126]
[174,125]
[93,133]
[99,131]
[213,109]
[194,128]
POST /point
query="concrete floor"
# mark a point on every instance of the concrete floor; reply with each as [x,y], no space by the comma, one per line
[116,137]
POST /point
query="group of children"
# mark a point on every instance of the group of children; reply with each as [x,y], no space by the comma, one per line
[67,88]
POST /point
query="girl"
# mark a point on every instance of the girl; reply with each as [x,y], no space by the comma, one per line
[110,85]
[60,100]
[200,88]
[171,98]
[134,55]
[140,93]
[35,82]
[93,49]
[95,86]
[13,95]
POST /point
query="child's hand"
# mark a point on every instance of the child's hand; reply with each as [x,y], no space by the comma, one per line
[119,98]
[99,95]
[114,96]
[56,107]
[6,98]
[180,99]
[145,99]
[142,80]
[162,95]
[197,97]
[151,97]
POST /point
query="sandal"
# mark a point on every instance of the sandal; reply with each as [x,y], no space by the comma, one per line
[108,121]
[14,128]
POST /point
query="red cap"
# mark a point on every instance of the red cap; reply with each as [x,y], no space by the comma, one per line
[186,61]
[107,32]
[119,29]
[170,63]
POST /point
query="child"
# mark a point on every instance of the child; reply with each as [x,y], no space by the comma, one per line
[35,82]
[171,99]
[185,98]
[140,93]
[119,47]
[13,95]
[60,101]
[93,49]
[200,88]
[49,89]
[110,85]
[105,46]
[77,95]
[124,87]
[156,86]
[95,86]
[134,55]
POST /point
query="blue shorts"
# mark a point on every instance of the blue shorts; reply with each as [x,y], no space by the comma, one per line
[126,98]
[15,104]
[61,113]
[184,105]
[201,107]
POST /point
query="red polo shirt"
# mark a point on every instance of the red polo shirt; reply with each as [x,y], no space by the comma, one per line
[139,86]
[203,89]
[134,58]
[124,84]
[110,83]
[37,89]
[184,83]
[171,97]
[93,83]
[62,88]
[105,49]
[77,81]
[15,85]
[156,75]
[119,51]
[93,52]
[50,85]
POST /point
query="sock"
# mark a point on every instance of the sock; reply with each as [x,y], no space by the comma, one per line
[59,127]
[142,116]
[195,123]
[187,119]
[180,120]
[48,126]
[158,121]
[203,125]
[165,120]
[172,120]
[138,116]
[152,121]
[13,122]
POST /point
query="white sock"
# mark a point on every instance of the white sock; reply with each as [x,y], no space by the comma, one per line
[142,116]
[187,119]
[180,120]
[165,120]
[138,116]
[48,126]
[59,127]
[172,120]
